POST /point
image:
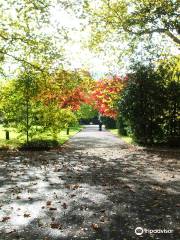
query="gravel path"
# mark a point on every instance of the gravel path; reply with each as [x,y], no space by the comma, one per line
[96,187]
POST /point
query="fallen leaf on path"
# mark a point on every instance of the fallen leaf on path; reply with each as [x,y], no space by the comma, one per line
[75,187]
[156,204]
[4,219]
[48,203]
[56,226]
[95,226]
[73,195]
[52,208]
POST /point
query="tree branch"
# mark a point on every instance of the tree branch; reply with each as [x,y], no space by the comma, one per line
[173,37]
[23,61]
[158,30]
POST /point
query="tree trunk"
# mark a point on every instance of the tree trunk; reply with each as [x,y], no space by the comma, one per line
[67,131]
[7,135]
[27,121]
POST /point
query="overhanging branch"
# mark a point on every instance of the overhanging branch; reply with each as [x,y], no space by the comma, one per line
[173,37]
[22,60]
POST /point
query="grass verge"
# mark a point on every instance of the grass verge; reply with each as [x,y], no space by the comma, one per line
[17,139]
[126,139]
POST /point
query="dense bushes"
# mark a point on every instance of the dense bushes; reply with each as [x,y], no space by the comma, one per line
[150,105]
[122,126]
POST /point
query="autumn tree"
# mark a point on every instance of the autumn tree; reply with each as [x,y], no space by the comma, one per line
[105,95]
[67,89]
[62,96]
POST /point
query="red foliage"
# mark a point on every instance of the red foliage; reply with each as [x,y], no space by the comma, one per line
[106,94]
[73,99]
[68,99]
[103,96]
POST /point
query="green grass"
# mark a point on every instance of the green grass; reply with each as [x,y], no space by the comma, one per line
[16,139]
[126,139]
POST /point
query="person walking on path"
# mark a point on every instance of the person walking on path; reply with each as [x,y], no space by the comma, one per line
[100,125]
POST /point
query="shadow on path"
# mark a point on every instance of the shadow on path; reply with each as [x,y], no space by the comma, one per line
[96,188]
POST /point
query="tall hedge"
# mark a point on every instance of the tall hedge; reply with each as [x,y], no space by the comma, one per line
[149,105]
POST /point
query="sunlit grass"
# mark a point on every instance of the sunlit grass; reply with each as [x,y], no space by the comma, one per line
[16,139]
[127,139]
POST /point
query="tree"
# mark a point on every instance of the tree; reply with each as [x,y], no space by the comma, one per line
[56,119]
[68,89]
[149,104]
[105,95]
[136,17]
[169,70]
[18,102]
[62,97]
[24,37]
[26,108]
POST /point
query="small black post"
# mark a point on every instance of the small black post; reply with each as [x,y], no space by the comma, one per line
[67,131]
[7,135]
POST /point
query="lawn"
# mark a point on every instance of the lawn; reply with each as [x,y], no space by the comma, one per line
[127,139]
[16,139]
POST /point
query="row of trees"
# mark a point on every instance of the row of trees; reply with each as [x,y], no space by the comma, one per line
[43,96]
[145,104]
[34,102]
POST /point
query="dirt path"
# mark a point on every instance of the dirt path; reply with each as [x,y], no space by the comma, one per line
[96,188]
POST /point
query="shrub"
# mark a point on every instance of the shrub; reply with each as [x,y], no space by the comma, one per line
[39,145]
[122,126]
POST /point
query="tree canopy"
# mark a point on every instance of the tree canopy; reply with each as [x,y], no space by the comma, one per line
[136,17]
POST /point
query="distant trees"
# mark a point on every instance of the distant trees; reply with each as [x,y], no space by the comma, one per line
[86,113]
[105,95]
[145,104]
